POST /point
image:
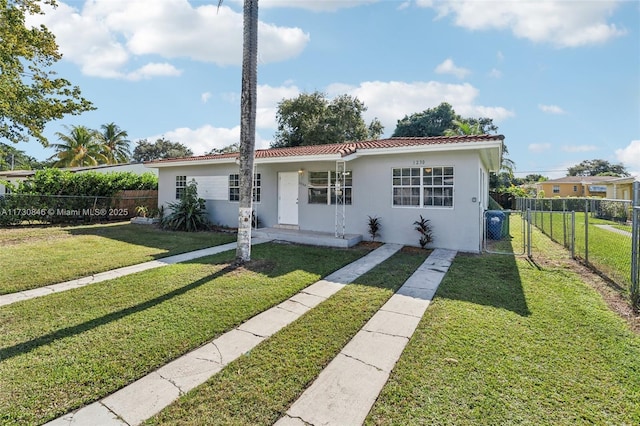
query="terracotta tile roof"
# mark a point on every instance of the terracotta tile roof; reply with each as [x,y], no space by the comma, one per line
[344,149]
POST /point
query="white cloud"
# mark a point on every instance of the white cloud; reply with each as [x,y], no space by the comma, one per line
[448,67]
[206,138]
[153,70]
[551,109]
[404,5]
[391,101]
[558,22]
[579,148]
[630,155]
[495,73]
[205,97]
[268,99]
[114,32]
[539,147]
[315,5]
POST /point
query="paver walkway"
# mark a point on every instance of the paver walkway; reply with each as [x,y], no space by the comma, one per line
[7,299]
[347,388]
[146,397]
[614,229]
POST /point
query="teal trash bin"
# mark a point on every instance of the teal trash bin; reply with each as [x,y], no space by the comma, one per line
[495,219]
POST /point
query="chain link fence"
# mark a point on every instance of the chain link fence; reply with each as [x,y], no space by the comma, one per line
[29,209]
[598,232]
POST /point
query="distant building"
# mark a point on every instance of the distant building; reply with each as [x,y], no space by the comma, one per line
[611,187]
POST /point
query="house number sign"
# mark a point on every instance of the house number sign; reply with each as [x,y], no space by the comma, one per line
[419,162]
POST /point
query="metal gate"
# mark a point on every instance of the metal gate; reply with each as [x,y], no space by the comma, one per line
[505,232]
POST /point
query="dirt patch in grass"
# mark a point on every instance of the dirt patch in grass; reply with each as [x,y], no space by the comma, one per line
[415,250]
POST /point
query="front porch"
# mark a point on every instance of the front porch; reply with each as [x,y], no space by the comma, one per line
[313,238]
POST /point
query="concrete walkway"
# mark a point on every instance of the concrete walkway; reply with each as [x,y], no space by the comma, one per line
[7,299]
[347,388]
[615,230]
[146,397]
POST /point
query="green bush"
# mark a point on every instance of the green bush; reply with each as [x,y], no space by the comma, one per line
[189,213]
[64,182]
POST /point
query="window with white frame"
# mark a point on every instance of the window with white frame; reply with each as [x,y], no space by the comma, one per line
[181,184]
[423,186]
[575,188]
[556,189]
[322,187]
[234,187]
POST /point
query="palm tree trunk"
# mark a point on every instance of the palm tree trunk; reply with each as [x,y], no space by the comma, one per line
[247,127]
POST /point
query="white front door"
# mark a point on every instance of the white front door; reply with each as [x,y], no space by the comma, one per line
[288,198]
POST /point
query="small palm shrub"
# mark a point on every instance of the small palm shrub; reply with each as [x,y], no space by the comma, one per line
[374,227]
[189,213]
[424,229]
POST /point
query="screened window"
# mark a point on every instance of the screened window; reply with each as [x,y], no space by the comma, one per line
[181,184]
[234,187]
[423,187]
[324,188]
[556,189]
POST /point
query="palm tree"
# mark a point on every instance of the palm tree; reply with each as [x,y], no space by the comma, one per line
[247,126]
[115,145]
[464,128]
[79,148]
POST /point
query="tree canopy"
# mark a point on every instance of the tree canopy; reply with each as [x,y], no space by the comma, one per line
[312,119]
[15,159]
[32,95]
[597,168]
[161,148]
[440,121]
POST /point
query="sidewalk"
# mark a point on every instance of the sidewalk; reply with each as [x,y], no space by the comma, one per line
[347,388]
[147,396]
[7,299]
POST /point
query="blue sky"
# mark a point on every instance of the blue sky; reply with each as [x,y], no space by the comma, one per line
[561,79]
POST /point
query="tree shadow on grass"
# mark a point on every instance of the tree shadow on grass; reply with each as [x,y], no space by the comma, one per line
[488,279]
[269,260]
[171,242]
[26,347]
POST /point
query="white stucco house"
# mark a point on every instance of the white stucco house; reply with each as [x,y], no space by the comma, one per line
[334,188]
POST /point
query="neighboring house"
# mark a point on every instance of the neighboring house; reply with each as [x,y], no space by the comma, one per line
[334,188]
[612,187]
[16,176]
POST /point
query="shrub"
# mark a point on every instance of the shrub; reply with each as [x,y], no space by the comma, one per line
[189,213]
[424,229]
[374,227]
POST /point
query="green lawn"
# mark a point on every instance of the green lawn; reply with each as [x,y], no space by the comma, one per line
[608,252]
[257,388]
[510,341]
[35,257]
[65,350]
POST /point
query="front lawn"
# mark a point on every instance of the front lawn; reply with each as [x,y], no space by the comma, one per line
[65,350]
[510,341]
[35,257]
[257,388]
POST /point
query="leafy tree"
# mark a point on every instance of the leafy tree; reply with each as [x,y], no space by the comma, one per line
[597,168]
[161,148]
[79,148]
[14,159]
[442,121]
[234,147]
[31,94]
[430,122]
[115,145]
[311,119]
[535,178]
